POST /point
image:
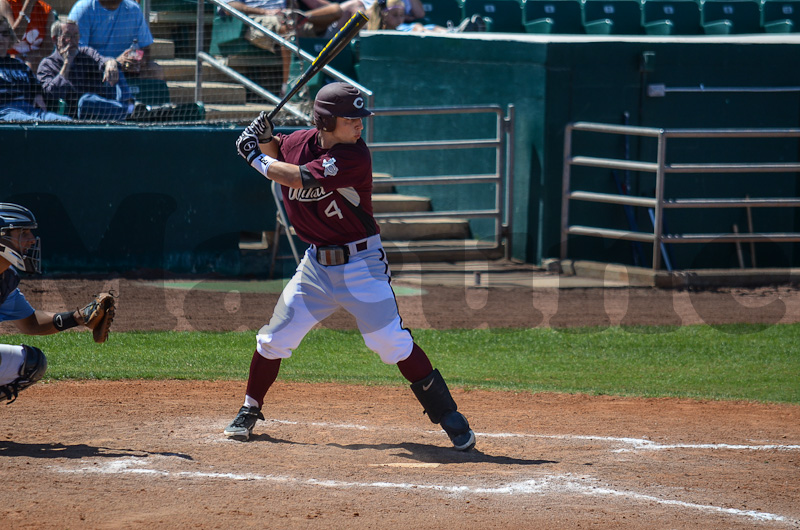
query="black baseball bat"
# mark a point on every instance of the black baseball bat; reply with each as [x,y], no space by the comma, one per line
[331,50]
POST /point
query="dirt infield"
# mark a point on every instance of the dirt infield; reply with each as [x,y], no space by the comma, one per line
[91,454]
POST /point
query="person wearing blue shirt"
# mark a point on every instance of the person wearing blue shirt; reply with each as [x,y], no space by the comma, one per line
[21,97]
[117,28]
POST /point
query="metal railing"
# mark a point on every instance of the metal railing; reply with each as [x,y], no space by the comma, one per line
[203,57]
[502,143]
[659,203]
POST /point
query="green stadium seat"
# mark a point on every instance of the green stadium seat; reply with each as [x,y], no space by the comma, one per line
[226,37]
[505,15]
[671,17]
[618,17]
[725,17]
[149,91]
[443,12]
[553,16]
[780,16]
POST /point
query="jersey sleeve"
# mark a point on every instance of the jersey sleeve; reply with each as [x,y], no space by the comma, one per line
[343,166]
[15,307]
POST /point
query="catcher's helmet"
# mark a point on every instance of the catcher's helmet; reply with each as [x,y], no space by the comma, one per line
[16,216]
[338,100]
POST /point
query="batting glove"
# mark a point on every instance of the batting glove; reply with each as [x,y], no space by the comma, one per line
[247,146]
[262,128]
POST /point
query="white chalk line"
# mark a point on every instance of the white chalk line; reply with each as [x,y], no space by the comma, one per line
[553,484]
[643,444]
[634,443]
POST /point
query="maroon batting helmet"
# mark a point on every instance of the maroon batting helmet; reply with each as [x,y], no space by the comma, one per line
[338,100]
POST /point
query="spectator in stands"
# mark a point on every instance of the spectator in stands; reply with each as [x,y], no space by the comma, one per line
[313,17]
[393,14]
[20,92]
[413,10]
[272,15]
[117,28]
[31,21]
[279,17]
[90,83]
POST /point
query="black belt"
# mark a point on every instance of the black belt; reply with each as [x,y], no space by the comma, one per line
[330,255]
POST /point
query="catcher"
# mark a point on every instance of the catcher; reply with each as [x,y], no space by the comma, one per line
[21,366]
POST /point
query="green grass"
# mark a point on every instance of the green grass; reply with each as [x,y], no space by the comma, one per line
[736,362]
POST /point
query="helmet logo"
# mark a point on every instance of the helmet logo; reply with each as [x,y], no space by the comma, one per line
[358,102]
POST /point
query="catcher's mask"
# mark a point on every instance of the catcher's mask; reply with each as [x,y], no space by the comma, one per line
[338,100]
[15,216]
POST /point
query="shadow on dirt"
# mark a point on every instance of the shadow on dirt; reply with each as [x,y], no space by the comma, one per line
[443,455]
[272,439]
[9,448]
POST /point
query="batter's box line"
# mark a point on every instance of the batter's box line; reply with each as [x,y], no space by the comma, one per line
[637,444]
[553,484]
[648,445]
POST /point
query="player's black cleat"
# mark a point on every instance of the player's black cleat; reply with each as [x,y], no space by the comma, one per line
[457,428]
[242,426]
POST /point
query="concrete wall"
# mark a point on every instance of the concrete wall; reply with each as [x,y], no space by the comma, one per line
[553,80]
[122,199]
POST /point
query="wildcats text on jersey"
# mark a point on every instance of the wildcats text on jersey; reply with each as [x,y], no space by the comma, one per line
[308,194]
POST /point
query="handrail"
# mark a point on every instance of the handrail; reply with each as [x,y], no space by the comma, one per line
[203,57]
[255,87]
[658,203]
[502,177]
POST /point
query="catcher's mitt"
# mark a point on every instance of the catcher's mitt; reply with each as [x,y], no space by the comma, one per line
[98,315]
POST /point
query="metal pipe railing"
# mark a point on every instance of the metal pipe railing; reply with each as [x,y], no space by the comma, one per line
[659,203]
[203,57]
[502,176]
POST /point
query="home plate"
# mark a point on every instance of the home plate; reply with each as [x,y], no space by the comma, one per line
[405,464]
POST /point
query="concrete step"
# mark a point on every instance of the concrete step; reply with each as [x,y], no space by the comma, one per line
[160,18]
[162,49]
[184,70]
[424,229]
[378,186]
[407,254]
[241,62]
[395,202]
[213,93]
[240,114]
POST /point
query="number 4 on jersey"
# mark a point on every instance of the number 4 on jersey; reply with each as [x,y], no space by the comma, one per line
[333,210]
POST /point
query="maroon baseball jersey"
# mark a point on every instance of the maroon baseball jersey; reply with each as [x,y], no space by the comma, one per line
[334,206]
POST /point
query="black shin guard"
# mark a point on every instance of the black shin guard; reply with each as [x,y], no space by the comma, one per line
[434,396]
[441,408]
[33,368]
[35,365]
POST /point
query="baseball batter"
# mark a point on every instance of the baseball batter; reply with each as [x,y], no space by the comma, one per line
[326,181]
[21,366]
